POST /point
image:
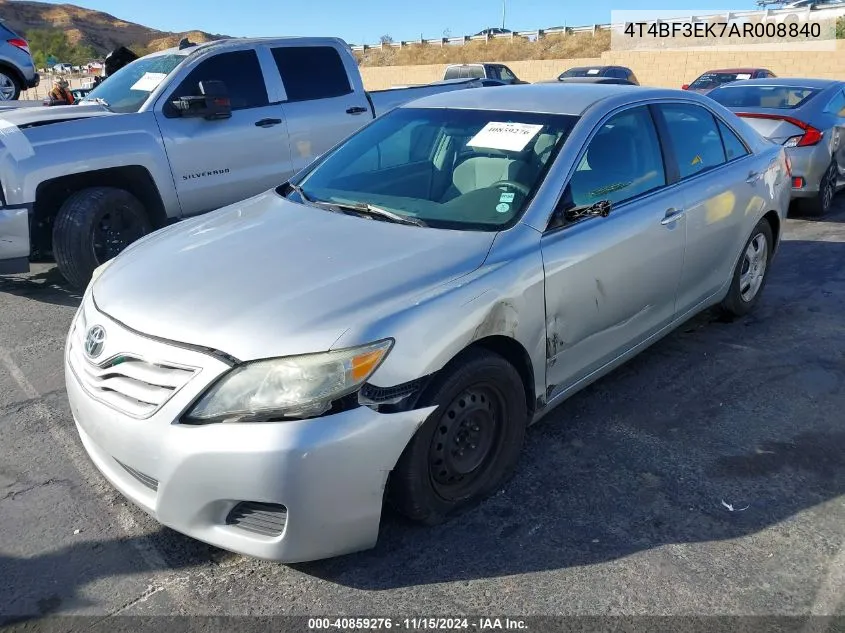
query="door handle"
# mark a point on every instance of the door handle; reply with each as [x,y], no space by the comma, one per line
[752,177]
[267,122]
[356,110]
[672,216]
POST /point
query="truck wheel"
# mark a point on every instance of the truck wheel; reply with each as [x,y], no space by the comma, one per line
[10,89]
[92,227]
[751,272]
[469,446]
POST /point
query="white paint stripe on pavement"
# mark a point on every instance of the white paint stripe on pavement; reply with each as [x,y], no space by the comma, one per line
[148,552]
[830,595]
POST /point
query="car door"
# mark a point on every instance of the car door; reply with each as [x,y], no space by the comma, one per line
[720,183]
[321,107]
[215,163]
[611,281]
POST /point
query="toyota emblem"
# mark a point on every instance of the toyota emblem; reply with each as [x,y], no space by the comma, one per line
[95,340]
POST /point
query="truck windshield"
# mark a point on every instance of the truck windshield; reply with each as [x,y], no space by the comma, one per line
[443,168]
[129,87]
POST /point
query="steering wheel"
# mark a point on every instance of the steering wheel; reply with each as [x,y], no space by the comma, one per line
[513,185]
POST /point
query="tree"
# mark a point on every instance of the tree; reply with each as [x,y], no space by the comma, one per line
[45,43]
[386,39]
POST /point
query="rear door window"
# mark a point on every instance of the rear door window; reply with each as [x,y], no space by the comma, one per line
[734,147]
[312,72]
[694,137]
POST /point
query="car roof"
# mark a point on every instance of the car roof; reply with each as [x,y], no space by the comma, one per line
[735,70]
[246,41]
[557,98]
[790,82]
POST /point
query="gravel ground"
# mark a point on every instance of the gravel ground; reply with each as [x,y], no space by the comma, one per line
[619,506]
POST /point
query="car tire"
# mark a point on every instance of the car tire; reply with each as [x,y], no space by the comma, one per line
[93,226]
[10,87]
[821,203]
[751,272]
[469,446]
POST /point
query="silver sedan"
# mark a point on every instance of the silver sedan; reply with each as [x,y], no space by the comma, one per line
[388,323]
[807,116]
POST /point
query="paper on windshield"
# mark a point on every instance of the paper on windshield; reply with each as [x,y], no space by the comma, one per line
[149,82]
[593,71]
[506,136]
[743,76]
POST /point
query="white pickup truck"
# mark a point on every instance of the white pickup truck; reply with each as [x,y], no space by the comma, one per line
[172,135]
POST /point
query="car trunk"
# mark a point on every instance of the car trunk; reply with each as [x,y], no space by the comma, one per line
[776,124]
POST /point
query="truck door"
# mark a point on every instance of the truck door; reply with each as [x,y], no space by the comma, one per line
[322,107]
[215,163]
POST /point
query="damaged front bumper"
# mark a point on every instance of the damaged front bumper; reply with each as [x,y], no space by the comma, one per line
[287,491]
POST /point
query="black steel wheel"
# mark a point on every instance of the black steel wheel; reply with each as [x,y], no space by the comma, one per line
[471,443]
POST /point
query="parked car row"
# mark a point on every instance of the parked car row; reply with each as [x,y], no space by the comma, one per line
[303,300]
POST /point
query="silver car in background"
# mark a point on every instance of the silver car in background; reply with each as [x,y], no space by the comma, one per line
[17,70]
[389,322]
[807,116]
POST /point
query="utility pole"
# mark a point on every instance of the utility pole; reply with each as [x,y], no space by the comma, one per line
[504,7]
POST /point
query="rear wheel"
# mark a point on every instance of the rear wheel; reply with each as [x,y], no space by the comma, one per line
[93,226]
[751,272]
[820,204]
[10,89]
[469,446]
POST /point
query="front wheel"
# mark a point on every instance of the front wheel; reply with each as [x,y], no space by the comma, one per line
[469,446]
[751,272]
[92,227]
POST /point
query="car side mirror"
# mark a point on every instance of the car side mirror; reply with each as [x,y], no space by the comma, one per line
[685,87]
[212,103]
[564,205]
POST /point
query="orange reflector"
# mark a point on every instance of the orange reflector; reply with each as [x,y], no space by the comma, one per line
[797,182]
[364,364]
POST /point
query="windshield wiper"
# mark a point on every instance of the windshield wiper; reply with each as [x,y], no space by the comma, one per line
[299,190]
[98,101]
[373,211]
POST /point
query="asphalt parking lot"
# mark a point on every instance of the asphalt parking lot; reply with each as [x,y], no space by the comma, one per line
[707,476]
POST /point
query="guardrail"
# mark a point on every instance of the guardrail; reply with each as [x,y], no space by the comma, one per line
[778,15]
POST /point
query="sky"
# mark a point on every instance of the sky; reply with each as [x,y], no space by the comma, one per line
[365,21]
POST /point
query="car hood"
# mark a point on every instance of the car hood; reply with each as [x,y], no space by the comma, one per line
[267,277]
[25,117]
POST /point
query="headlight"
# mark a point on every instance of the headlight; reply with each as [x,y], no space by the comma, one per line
[289,387]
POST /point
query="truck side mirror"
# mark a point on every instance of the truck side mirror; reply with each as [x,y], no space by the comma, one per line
[211,104]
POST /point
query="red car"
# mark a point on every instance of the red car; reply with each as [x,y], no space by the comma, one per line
[715,78]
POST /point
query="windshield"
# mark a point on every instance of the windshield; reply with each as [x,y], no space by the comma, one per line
[778,97]
[708,81]
[129,87]
[460,169]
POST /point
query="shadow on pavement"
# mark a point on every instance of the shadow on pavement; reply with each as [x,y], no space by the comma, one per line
[717,432]
[61,574]
[45,286]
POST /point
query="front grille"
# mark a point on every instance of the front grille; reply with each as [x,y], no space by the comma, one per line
[267,519]
[148,481]
[127,382]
